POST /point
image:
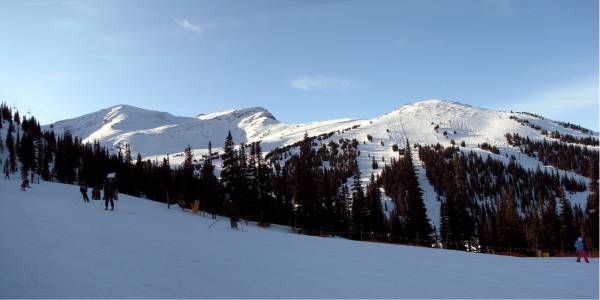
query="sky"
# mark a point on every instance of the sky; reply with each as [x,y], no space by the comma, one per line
[302,60]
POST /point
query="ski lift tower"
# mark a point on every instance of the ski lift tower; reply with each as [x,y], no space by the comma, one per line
[402,149]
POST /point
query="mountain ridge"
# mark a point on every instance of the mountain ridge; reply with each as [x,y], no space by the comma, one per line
[154,133]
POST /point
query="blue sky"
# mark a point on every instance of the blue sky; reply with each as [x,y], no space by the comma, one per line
[302,60]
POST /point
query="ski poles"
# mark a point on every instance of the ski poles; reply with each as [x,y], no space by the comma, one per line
[213,223]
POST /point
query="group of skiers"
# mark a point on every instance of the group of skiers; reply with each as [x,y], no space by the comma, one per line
[110,192]
[25,184]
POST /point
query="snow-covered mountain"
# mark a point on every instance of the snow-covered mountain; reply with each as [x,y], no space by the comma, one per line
[426,122]
[155,134]
[158,133]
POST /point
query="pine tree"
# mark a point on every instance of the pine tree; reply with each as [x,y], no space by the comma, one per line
[400,213]
[591,208]
[230,170]
[263,182]
[483,229]
[509,222]
[10,144]
[376,217]
[242,186]
[17,118]
[549,225]
[309,208]
[359,209]
[568,233]
[341,209]
[532,229]
[209,184]
[418,226]
[446,234]
[27,154]
[188,176]
[463,225]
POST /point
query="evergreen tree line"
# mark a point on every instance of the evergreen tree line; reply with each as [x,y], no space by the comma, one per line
[566,138]
[490,206]
[408,219]
[313,183]
[563,156]
[574,127]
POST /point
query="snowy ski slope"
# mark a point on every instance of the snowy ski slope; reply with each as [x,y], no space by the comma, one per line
[56,246]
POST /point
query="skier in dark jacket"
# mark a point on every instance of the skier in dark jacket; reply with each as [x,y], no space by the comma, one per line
[109,191]
[110,187]
[231,210]
[83,189]
[108,196]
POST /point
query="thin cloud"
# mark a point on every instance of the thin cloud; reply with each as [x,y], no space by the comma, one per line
[85,7]
[564,100]
[82,7]
[68,25]
[188,25]
[504,7]
[62,77]
[311,83]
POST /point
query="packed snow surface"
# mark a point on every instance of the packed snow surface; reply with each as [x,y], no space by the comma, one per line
[56,246]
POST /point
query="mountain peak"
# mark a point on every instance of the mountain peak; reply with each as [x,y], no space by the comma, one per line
[435,104]
[257,111]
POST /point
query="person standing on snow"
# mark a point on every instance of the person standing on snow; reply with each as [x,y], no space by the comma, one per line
[108,196]
[83,189]
[6,170]
[110,186]
[231,210]
[580,250]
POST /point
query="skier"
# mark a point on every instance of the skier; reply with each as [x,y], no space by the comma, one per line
[231,211]
[83,189]
[109,189]
[24,184]
[580,250]
[108,196]
[96,193]
[6,170]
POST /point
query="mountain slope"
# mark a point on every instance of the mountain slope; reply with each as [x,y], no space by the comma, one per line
[155,134]
[56,246]
[425,122]
[159,133]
